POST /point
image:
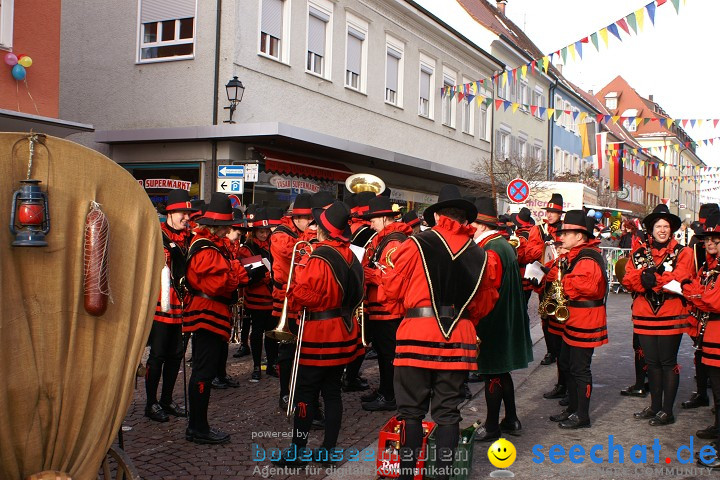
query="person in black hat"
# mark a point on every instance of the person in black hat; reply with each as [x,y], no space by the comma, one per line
[445,283]
[212,281]
[504,332]
[523,224]
[412,220]
[166,341]
[585,286]
[660,317]
[540,247]
[330,288]
[382,317]
[360,228]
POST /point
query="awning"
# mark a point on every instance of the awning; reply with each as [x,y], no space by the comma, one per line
[280,162]
[11,121]
[610,209]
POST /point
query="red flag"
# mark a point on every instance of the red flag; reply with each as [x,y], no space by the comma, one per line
[623,24]
[498,104]
[660,2]
[533,109]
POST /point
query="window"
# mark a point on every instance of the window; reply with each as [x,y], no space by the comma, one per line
[319,38]
[538,99]
[558,161]
[629,123]
[537,152]
[513,90]
[6,23]
[568,121]
[522,146]
[273,29]
[449,105]
[484,121]
[468,110]
[167,30]
[575,164]
[427,81]
[524,96]
[502,139]
[394,71]
[356,55]
[611,101]
[502,90]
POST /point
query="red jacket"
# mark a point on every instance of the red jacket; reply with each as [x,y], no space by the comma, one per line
[536,243]
[326,342]
[672,316]
[175,315]
[587,325]
[281,247]
[422,338]
[544,289]
[259,295]
[523,234]
[706,300]
[211,272]
[378,306]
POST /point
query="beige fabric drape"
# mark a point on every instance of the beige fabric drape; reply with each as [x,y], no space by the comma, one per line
[67,377]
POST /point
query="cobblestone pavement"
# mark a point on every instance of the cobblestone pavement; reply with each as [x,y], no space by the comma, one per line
[159,450]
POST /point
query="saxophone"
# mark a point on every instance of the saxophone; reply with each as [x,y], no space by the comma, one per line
[557,304]
[703,317]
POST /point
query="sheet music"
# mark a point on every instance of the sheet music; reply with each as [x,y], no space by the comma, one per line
[673,286]
[534,270]
[358,251]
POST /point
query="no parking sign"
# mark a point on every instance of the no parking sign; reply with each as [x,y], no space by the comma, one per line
[518,190]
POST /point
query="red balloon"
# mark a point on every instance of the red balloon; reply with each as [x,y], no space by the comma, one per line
[606,214]
[31,214]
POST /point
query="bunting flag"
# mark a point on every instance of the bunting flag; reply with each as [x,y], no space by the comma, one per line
[616,172]
[601,156]
[587,132]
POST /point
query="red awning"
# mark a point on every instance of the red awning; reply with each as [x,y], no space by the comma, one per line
[297,165]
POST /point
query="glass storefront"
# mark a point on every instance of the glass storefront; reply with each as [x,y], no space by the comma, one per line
[159,178]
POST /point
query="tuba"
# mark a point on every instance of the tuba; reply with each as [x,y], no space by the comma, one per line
[365,182]
[556,304]
[514,241]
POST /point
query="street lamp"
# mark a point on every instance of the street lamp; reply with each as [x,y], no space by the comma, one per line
[235,91]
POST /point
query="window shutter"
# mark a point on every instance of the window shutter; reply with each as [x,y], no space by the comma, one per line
[354,53]
[513,147]
[316,34]
[161,10]
[393,64]
[498,144]
[424,85]
[272,11]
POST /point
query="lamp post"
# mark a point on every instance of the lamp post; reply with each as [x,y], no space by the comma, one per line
[235,91]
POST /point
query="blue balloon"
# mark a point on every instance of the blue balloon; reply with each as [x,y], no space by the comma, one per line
[18,72]
[598,215]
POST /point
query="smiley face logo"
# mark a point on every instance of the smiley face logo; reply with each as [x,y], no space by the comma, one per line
[502,453]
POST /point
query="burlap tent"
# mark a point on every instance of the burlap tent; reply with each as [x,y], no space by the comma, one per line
[67,377]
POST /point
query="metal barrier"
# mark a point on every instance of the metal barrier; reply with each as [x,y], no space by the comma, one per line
[612,255]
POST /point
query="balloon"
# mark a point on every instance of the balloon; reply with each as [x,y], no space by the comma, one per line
[607,214]
[18,72]
[591,213]
[25,61]
[11,59]
[598,215]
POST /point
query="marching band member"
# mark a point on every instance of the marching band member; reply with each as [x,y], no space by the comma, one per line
[166,340]
[704,295]
[213,280]
[330,287]
[383,317]
[504,333]
[659,317]
[412,220]
[524,223]
[542,236]
[444,282]
[585,285]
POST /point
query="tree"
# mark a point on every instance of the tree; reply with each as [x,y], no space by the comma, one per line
[493,177]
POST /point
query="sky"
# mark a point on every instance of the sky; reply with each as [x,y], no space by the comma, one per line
[674,61]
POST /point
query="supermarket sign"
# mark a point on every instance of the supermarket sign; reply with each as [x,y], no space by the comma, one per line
[283,183]
[167,183]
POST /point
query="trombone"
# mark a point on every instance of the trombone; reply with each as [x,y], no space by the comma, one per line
[295,366]
[282,332]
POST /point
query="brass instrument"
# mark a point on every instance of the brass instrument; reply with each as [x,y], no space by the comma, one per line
[514,240]
[556,305]
[703,317]
[365,182]
[296,364]
[360,315]
[282,332]
[620,267]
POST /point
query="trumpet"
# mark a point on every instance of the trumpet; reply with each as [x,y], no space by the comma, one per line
[556,305]
[360,315]
[282,332]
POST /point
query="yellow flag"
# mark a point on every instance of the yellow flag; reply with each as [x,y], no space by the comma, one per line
[677,147]
[480,99]
[603,35]
[615,118]
[515,106]
[571,47]
[640,17]
[699,122]
[582,117]
[504,78]
[550,112]
[670,121]
[585,140]
[545,61]
[523,70]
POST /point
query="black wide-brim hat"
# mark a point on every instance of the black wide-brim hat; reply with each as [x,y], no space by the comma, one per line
[486,212]
[555,204]
[335,220]
[711,227]
[661,212]
[706,210]
[411,218]
[239,217]
[380,206]
[178,201]
[261,218]
[449,197]
[302,205]
[523,218]
[219,212]
[577,221]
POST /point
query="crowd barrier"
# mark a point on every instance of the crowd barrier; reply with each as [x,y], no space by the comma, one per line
[612,255]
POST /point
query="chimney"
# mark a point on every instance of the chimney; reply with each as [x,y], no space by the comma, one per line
[650,97]
[559,67]
[501,6]
[590,92]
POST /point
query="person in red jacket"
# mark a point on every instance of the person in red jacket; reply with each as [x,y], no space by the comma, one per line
[412,220]
[445,283]
[330,288]
[258,297]
[585,287]
[524,223]
[703,293]
[541,240]
[659,316]
[166,340]
[212,280]
[383,317]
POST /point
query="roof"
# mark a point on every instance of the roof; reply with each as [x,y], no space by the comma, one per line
[11,121]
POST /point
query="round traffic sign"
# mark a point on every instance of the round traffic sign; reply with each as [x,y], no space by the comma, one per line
[518,190]
[235,201]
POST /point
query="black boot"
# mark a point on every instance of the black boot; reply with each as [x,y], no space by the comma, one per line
[198,399]
[413,434]
[446,440]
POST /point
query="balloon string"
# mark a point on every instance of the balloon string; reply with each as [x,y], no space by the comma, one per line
[31,98]
[17,95]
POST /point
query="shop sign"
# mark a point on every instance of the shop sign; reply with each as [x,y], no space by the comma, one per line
[283,183]
[168,183]
[399,195]
[251,172]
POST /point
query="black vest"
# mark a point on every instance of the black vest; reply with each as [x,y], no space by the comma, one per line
[393,236]
[453,279]
[598,258]
[362,236]
[349,277]
[178,264]
[195,247]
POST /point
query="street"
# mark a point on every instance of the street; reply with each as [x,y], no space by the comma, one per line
[250,413]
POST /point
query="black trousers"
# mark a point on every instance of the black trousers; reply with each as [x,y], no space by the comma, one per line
[222,361]
[262,321]
[383,339]
[575,363]
[166,352]
[413,387]
[312,382]
[662,368]
[208,348]
[714,374]
[640,367]
[245,323]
